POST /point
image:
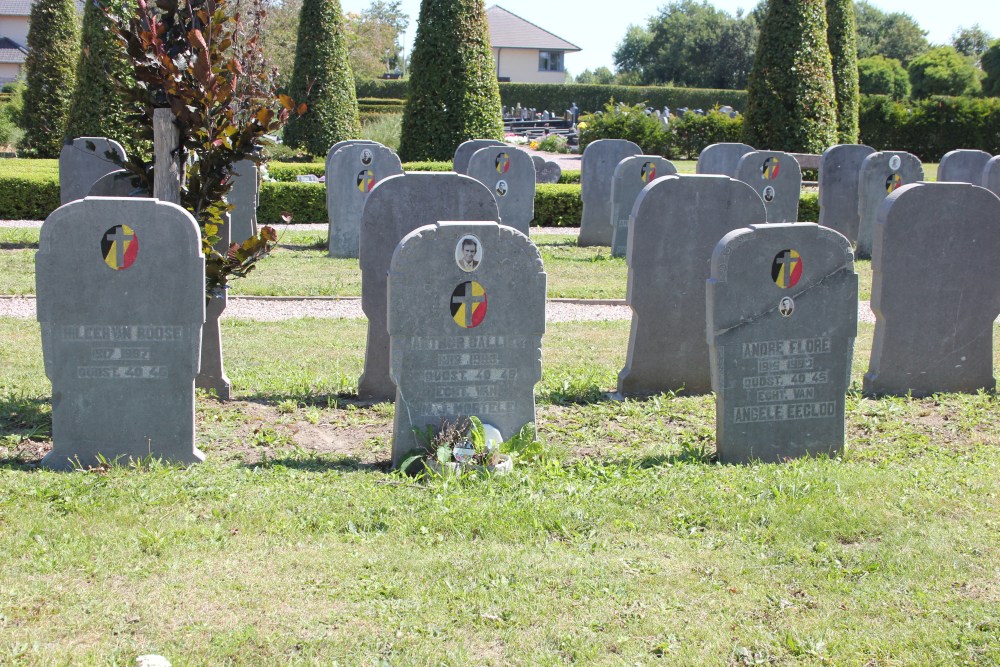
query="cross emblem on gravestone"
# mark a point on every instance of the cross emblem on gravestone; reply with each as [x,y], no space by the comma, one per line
[123,241]
[474,305]
[786,270]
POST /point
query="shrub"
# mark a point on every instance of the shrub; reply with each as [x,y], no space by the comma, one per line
[453,94]
[10,113]
[28,196]
[552,143]
[808,207]
[570,176]
[53,44]
[990,62]
[879,75]
[692,132]
[305,201]
[791,104]
[943,71]
[557,205]
[841,34]
[625,122]
[383,128]
[322,77]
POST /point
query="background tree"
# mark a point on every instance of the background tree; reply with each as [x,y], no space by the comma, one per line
[453,94]
[322,76]
[790,103]
[53,44]
[373,38]
[991,66]
[281,30]
[630,56]
[99,107]
[971,42]
[601,75]
[894,35]
[943,71]
[841,35]
[878,75]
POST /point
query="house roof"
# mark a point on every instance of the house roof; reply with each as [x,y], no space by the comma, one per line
[11,51]
[510,31]
[23,7]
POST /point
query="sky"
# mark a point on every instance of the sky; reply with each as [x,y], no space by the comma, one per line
[597,27]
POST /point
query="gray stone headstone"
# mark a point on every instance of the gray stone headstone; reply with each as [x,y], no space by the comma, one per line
[675,225]
[538,161]
[721,158]
[120,287]
[82,162]
[212,372]
[991,176]
[550,172]
[782,318]
[935,290]
[396,207]
[119,183]
[599,161]
[244,196]
[466,337]
[351,174]
[510,174]
[962,166]
[631,175]
[839,167]
[881,173]
[777,178]
[460,163]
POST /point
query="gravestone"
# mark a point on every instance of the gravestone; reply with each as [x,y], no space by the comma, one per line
[777,178]
[82,162]
[118,183]
[120,287]
[991,176]
[839,168]
[782,319]
[397,206]
[962,166]
[721,158]
[881,173]
[466,317]
[244,196]
[351,174]
[599,161]
[465,150]
[546,171]
[212,372]
[510,174]
[676,223]
[631,175]
[935,290]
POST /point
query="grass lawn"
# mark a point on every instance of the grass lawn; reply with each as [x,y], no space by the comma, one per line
[628,545]
[301,268]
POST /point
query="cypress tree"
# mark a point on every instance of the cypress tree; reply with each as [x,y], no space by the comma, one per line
[53,44]
[453,94]
[99,107]
[841,35]
[322,78]
[791,104]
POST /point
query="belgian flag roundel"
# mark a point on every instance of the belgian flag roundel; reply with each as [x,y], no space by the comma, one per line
[893,182]
[468,305]
[786,270]
[648,172]
[366,180]
[119,247]
[770,169]
[502,163]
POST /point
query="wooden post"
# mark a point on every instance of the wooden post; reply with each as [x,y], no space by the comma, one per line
[167,169]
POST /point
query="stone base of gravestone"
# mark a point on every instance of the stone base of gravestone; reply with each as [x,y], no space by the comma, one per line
[212,374]
[782,319]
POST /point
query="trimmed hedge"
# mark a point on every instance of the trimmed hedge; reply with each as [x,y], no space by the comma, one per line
[287,171]
[557,205]
[930,128]
[28,197]
[570,176]
[305,201]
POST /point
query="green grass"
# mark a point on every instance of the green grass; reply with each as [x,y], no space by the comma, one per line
[628,546]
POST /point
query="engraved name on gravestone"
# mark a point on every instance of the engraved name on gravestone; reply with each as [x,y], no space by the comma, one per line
[244,197]
[782,318]
[631,175]
[396,207]
[777,178]
[839,167]
[351,175]
[677,221]
[120,289]
[935,290]
[962,166]
[82,162]
[510,174]
[466,318]
[881,174]
[991,176]
[599,161]
[721,158]
[465,151]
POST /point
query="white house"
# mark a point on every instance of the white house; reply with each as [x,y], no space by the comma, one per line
[523,52]
[13,37]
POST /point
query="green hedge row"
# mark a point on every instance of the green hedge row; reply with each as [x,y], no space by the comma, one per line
[29,196]
[287,171]
[930,128]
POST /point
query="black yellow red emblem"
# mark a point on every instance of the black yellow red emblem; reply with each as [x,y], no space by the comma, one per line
[468,304]
[366,180]
[648,172]
[770,169]
[502,163]
[786,270]
[119,247]
[892,182]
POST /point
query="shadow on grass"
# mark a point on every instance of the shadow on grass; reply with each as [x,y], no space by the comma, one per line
[321,463]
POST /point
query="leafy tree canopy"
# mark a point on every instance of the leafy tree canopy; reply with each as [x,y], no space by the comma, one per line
[601,75]
[991,66]
[894,35]
[943,71]
[971,42]
[878,75]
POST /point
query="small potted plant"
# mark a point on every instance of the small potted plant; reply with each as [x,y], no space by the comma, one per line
[467,445]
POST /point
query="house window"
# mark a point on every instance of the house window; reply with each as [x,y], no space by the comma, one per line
[550,61]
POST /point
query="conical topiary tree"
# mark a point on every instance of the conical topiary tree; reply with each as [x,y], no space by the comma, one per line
[453,93]
[322,78]
[841,35]
[791,104]
[99,107]
[53,44]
